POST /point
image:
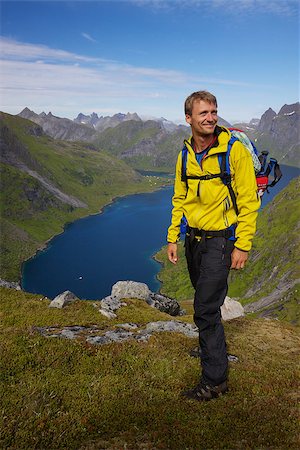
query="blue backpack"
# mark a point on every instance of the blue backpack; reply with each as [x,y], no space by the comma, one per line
[262,168]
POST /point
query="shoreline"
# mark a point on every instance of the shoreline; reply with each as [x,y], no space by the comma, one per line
[44,245]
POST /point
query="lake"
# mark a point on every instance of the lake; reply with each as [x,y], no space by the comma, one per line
[95,252]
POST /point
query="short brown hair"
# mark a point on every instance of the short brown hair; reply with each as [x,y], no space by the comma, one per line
[199,95]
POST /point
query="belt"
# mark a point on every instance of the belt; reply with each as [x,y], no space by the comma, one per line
[192,233]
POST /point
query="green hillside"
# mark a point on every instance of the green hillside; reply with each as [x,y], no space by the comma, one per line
[46,183]
[272,272]
[143,145]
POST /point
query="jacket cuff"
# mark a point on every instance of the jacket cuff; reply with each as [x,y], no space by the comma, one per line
[242,250]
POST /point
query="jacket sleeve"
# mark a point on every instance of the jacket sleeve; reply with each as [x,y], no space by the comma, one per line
[248,201]
[180,191]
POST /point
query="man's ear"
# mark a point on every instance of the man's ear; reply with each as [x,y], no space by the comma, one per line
[188,119]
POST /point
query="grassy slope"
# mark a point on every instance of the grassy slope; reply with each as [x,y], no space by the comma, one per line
[57,393]
[128,134]
[274,258]
[31,215]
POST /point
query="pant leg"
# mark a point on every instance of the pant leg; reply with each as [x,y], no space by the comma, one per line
[209,272]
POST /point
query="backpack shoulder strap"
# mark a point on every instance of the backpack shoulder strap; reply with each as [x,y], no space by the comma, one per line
[184,153]
[225,171]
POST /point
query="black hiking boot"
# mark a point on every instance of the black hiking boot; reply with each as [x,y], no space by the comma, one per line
[204,392]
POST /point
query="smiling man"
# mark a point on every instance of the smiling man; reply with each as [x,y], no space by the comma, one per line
[221,213]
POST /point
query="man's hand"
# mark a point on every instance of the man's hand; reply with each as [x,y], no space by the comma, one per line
[238,259]
[172,253]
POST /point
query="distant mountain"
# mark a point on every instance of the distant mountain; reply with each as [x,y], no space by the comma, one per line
[90,120]
[147,145]
[277,133]
[144,145]
[101,123]
[89,125]
[282,127]
[154,144]
[59,128]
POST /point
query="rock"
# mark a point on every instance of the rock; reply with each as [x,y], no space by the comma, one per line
[127,326]
[121,333]
[164,304]
[10,285]
[231,309]
[130,289]
[109,305]
[107,313]
[179,327]
[110,336]
[134,289]
[63,300]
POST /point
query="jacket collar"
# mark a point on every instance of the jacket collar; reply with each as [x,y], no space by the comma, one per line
[221,144]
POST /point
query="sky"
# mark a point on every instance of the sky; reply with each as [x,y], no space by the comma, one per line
[147,56]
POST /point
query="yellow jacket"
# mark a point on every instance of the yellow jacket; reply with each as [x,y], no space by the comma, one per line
[208,205]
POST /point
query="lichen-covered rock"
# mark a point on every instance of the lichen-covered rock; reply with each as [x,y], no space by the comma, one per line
[164,304]
[231,309]
[109,305]
[130,289]
[10,284]
[63,300]
[173,325]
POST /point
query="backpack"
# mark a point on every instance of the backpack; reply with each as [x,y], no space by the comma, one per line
[262,169]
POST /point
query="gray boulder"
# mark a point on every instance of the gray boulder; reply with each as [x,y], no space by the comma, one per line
[130,289]
[164,304]
[231,309]
[10,285]
[63,300]
[136,290]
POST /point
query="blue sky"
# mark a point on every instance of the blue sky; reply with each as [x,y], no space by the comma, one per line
[148,56]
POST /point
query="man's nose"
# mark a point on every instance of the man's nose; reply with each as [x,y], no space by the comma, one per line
[210,117]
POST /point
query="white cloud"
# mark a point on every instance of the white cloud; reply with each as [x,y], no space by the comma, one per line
[12,49]
[88,37]
[43,78]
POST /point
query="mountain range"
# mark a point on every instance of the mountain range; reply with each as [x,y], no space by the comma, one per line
[154,144]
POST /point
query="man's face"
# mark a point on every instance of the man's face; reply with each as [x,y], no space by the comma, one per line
[204,117]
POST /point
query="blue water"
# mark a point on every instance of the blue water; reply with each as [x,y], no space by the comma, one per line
[95,252]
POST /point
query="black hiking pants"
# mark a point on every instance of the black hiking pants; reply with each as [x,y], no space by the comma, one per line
[208,269]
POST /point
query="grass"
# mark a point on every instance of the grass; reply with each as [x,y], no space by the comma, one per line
[58,393]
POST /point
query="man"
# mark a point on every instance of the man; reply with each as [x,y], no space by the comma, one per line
[219,232]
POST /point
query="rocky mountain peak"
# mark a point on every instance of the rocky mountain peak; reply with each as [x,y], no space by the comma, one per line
[26,113]
[290,109]
[266,121]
